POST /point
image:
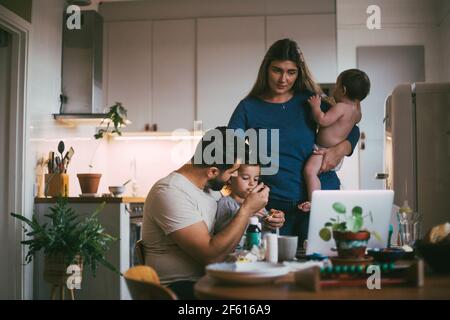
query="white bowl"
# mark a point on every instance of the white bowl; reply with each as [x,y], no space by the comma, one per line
[117,190]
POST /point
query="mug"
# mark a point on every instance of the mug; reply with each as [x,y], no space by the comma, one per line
[287,247]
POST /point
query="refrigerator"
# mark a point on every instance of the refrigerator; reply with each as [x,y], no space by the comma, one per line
[417,149]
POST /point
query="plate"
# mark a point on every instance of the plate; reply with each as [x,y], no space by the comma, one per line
[89,195]
[246,272]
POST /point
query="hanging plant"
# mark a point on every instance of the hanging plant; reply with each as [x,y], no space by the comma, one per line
[117,115]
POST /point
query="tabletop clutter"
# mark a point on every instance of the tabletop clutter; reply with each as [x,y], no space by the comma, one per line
[266,257]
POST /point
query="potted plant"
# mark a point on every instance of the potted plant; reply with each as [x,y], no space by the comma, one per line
[348,232]
[66,241]
[116,116]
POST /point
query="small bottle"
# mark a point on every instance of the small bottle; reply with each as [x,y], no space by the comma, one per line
[253,234]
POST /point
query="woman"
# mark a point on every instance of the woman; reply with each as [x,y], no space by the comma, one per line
[278,100]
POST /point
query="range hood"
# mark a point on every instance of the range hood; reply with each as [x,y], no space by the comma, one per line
[82,53]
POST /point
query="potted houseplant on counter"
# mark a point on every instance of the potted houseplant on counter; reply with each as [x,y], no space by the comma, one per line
[348,232]
[117,116]
[66,241]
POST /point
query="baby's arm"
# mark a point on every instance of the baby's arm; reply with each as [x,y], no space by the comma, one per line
[322,118]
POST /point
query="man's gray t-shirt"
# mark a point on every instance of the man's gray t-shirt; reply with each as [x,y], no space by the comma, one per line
[174,203]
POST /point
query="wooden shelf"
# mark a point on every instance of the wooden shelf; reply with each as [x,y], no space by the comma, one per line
[94,200]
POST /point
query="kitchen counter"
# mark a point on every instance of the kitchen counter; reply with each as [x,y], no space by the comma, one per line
[94,200]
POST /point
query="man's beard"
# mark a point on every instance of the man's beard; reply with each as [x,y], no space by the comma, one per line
[215,184]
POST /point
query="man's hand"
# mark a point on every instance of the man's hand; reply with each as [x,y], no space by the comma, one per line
[275,219]
[334,155]
[314,101]
[256,199]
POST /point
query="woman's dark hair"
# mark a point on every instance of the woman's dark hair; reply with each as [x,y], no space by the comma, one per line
[356,83]
[285,49]
[219,145]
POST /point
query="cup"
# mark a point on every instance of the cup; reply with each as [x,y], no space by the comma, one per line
[409,227]
[271,241]
[287,247]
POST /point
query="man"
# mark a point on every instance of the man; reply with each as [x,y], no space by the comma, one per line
[180,209]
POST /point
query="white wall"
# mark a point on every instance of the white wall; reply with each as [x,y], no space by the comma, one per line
[403,22]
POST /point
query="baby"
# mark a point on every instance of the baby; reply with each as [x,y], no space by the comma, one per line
[247,178]
[352,86]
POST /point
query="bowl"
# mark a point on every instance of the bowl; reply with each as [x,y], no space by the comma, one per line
[116,190]
[437,256]
[387,254]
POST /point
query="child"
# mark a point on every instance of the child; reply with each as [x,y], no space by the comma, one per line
[241,185]
[352,86]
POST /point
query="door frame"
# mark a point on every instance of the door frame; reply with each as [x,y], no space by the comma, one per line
[20,278]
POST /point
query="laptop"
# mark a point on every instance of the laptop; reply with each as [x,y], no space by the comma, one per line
[379,202]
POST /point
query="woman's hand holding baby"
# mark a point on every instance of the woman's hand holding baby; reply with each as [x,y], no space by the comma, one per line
[333,156]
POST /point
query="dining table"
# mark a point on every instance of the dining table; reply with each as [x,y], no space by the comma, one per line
[435,286]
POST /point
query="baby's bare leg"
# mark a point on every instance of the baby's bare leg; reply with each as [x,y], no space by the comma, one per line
[311,173]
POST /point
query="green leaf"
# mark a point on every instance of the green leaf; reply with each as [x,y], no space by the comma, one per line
[325,234]
[357,211]
[341,226]
[376,235]
[357,224]
[328,224]
[339,207]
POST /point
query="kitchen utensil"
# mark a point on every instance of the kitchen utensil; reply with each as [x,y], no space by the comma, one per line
[49,162]
[126,182]
[61,148]
[67,158]
[117,190]
[58,164]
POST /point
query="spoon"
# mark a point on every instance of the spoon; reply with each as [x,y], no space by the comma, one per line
[127,182]
[61,148]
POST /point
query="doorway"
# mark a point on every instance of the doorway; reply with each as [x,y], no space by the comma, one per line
[15,279]
[386,66]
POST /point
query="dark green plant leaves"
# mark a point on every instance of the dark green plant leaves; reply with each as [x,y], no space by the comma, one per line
[339,207]
[117,115]
[357,211]
[66,234]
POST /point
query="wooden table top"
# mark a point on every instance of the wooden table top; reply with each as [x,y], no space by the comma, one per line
[435,287]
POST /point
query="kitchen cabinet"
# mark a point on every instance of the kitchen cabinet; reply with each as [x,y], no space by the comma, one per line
[115,218]
[229,52]
[173,76]
[316,36]
[128,69]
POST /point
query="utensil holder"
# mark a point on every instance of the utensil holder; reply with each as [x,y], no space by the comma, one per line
[56,184]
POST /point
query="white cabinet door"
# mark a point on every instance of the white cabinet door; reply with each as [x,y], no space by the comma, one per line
[128,69]
[229,52]
[173,74]
[316,37]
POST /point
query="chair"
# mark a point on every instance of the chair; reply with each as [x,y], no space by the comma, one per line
[139,252]
[143,283]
